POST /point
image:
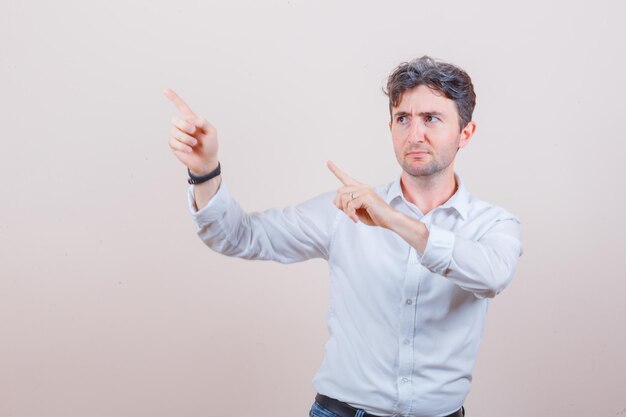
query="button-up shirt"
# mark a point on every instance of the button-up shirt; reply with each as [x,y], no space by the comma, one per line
[404,327]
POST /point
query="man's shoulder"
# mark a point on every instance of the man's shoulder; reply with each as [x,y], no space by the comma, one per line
[479,208]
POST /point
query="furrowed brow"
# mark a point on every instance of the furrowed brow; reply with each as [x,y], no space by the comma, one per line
[420,114]
[431,113]
[401,113]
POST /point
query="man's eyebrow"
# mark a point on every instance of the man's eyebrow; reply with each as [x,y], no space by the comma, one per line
[431,113]
[421,114]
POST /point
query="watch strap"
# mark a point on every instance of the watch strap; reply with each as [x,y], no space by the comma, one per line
[199,179]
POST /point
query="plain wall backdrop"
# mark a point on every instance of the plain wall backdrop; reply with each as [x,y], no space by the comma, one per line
[111,306]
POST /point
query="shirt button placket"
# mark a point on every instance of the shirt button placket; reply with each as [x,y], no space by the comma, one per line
[410,293]
[406,351]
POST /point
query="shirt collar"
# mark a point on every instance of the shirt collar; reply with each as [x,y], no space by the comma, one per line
[460,200]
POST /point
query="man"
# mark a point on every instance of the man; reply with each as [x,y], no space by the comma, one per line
[412,263]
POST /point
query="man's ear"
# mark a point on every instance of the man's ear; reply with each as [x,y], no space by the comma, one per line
[389,124]
[467,133]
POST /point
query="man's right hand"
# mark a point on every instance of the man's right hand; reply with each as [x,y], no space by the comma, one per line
[193,139]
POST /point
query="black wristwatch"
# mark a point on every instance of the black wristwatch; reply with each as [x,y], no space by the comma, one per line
[194,179]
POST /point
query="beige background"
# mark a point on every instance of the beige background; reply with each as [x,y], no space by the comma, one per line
[111,306]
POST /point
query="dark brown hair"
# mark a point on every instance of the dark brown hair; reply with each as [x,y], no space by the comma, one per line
[447,79]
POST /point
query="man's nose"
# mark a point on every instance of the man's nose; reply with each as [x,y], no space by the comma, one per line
[416,132]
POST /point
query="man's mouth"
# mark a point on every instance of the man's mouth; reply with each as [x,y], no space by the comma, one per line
[417,153]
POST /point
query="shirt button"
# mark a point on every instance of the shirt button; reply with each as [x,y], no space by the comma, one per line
[407,341]
[405,380]
[409,301]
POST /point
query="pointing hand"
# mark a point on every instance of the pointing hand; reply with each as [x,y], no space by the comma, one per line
[360,202]
[193,139]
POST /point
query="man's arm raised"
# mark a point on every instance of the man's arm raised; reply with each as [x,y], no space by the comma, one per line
[484,266]
[193,140]
[292,234]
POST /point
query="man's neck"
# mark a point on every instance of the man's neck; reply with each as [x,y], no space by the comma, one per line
[429,192]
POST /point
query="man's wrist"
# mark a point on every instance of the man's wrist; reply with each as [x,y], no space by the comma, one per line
[199,179]
[397,221]
[413,231]
[210,167]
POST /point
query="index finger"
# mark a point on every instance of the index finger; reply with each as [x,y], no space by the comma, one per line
[341,176]
[182,106]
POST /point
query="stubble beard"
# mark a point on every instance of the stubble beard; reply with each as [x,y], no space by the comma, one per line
[437,165]
[433,168]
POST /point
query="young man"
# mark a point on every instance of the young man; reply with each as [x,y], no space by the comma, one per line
[412,263]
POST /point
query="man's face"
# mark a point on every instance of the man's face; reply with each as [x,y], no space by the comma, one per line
[425,132]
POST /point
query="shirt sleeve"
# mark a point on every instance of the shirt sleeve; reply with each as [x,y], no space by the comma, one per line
[484,266]
[287,235]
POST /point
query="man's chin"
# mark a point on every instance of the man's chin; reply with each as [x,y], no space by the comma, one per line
[420,171]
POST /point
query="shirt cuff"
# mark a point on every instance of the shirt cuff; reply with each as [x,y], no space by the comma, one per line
[213,210]
[438,252]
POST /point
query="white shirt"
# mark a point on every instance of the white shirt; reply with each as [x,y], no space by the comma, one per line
[404,328]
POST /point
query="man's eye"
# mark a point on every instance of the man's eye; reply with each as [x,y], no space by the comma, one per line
[402,119]
[432,119]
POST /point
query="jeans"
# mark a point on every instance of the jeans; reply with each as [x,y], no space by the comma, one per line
[319,411]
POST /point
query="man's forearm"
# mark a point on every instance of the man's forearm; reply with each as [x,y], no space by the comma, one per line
[411,230]
[205,191]
[483,267]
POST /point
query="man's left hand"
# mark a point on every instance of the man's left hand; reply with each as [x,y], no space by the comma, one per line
[360,202]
